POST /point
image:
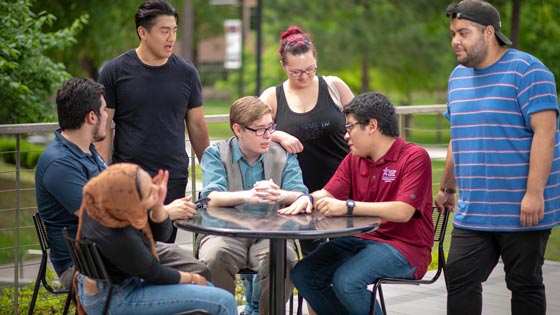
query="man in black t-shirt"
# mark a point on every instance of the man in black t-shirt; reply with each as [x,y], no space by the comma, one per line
[152,95]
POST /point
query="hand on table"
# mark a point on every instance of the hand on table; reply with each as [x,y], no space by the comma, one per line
[264,191]
[302,204]
[331,207]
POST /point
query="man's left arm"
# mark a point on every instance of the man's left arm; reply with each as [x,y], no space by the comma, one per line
[415,186]
[198,130]
[544,125]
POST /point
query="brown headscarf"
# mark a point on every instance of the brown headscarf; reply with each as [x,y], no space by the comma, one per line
[112,199]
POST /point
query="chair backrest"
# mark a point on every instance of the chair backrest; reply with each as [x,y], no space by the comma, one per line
[440,219]
[41,233]
[440,224]
[86,258]
[44,243]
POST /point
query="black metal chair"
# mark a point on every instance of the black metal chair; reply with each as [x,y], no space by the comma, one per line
[440,226]
[88,261]
[42,273]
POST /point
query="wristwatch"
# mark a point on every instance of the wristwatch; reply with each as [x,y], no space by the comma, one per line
[447,190]
[350,204]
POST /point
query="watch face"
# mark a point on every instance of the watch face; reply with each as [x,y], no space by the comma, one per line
[350,206]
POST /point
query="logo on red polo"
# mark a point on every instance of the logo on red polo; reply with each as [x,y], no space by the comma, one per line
[389,175]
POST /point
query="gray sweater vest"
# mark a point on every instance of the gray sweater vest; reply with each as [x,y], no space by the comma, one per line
[274,162]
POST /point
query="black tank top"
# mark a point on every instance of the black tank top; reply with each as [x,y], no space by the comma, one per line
[320,130]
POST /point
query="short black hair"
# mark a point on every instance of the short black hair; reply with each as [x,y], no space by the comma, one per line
[148,12]
[373,105]
[75,99]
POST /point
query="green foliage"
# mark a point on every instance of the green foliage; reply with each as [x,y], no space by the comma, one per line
[384,45]
[397,47]
[47,303]
[544,36]
[29,153]
[27,76]
[111,29]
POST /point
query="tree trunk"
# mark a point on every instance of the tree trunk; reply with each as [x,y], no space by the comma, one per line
[187,36]
[515,10]
[89,66]
[365,72]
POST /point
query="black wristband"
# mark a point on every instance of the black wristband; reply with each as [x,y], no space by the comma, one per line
[308,195]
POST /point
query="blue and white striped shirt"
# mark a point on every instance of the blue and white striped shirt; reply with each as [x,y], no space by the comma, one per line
[490,114]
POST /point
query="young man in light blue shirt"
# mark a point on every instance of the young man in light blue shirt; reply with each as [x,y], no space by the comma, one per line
[247,169]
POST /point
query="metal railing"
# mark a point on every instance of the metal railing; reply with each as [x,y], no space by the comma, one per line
[22,130]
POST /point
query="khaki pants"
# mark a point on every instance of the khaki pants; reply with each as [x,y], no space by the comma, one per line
[225,256]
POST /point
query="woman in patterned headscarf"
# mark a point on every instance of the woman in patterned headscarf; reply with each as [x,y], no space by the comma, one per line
[122,212]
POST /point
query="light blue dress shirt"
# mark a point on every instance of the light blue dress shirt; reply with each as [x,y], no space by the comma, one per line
[214,176]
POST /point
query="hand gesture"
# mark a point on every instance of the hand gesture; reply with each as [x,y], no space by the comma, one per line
[160,181]
[181,208]
[264,191]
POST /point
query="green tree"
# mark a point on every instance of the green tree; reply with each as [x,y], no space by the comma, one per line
[383,44]
[398,47]
[539,31]
[109,33]
[27,76]
[111,30]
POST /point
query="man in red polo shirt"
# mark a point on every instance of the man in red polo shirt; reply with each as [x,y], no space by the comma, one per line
[382,176]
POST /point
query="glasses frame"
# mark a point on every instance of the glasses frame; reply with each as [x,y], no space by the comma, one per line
[299,73]
[259,132]
[350,126]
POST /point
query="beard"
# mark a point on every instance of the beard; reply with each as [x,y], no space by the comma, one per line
[475,54]
[96,135]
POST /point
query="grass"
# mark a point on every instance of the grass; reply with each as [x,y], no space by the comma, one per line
[8,205]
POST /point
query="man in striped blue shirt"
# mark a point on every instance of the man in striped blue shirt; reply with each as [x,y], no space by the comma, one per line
[504,160]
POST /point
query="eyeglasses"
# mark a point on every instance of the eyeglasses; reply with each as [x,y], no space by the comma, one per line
[299,73]
[261,131]
[350,126]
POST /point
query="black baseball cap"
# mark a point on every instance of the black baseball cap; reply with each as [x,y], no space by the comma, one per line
[479,12]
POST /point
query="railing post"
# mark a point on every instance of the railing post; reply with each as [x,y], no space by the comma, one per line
[193,188]
[16,232]
[402,125]
[193,175]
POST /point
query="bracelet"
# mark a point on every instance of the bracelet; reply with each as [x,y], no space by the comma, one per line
[308,195]
[447,190]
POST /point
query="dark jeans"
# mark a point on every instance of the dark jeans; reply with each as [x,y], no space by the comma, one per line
[307,245]
[175,190]
[474,254]
[334,278]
